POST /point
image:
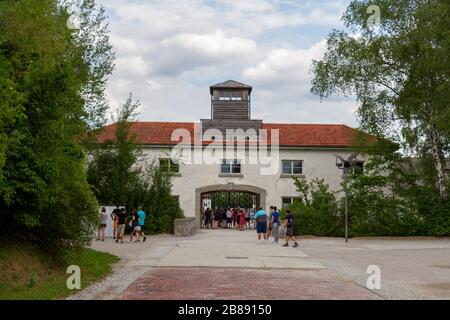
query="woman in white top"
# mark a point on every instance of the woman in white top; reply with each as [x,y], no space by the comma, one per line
[102,224]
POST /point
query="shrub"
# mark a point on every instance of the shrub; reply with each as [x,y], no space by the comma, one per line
[316,212]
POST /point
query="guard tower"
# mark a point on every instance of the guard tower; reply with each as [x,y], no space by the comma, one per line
[230,107]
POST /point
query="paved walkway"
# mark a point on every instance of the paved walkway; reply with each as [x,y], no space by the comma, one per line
[227,264]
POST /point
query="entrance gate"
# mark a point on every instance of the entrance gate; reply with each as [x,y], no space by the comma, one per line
[230,195]
[229,199]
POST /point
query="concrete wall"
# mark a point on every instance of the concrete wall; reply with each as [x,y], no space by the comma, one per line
[318,163]
[184,227]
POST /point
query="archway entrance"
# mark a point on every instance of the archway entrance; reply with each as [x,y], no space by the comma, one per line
[228,196]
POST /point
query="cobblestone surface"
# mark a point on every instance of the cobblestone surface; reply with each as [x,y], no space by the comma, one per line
[242,284]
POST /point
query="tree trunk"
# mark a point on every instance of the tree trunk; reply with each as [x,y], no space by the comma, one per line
[439,165]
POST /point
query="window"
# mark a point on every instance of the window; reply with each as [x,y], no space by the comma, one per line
[292,167]
[230,166]
[230,95]
[358,168]
[287,201]
[167,165]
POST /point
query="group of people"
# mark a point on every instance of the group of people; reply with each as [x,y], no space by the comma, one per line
[266,225]
[229,218]
[119,218]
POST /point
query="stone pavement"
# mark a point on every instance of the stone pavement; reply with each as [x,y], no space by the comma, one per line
[227,264]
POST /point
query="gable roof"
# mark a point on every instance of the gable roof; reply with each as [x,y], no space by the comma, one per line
[291,135]
[230,84]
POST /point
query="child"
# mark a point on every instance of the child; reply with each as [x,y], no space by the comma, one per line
[289,224]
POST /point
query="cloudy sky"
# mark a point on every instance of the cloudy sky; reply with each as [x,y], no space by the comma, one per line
[170,51]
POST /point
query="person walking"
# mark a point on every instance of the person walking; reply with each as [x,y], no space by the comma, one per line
[216,218]
[289,224]
[229,218]
[233,217]
[102,224]
[224,218]
[136,225]
[261,224]
[247,218]
[114,216]
[274,224]
[241,220]
[236,218]
[121,222]
[269,223]
[142,217]
[208,215]
[203,218]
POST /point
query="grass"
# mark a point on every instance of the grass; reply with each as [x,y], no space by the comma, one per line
[28,275]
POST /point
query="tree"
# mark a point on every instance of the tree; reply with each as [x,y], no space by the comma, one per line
[316,211]
[115,168]
[119,176]
[158,201]
[399,72]
[48,76]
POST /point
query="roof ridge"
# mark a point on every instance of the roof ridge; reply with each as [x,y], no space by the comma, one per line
[228,82]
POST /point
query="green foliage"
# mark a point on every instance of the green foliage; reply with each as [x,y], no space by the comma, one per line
[390,198]
[30,274]
[399,72]
[386,200]
[316,213]
[159,202]
[114,170]
[119,177]
[46,85]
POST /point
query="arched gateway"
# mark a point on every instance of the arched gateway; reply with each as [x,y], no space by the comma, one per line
[259,193]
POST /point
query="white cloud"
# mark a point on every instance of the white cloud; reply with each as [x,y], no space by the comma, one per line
[249,5]
[284,66]
[131,66]
[216,45]
[170,51]
[186,51]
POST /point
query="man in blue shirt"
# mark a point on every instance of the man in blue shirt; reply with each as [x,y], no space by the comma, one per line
[261,224]
[273,224]
[141,215]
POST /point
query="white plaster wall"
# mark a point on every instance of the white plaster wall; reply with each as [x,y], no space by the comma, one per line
[316,163]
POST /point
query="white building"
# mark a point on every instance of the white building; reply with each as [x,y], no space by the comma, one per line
[307,150]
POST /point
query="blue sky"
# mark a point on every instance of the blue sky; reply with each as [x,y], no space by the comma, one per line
[169,52]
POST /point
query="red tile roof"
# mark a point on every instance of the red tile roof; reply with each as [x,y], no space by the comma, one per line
[313,135]
[291,135]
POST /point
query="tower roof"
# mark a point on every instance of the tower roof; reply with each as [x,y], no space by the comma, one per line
[230,84]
